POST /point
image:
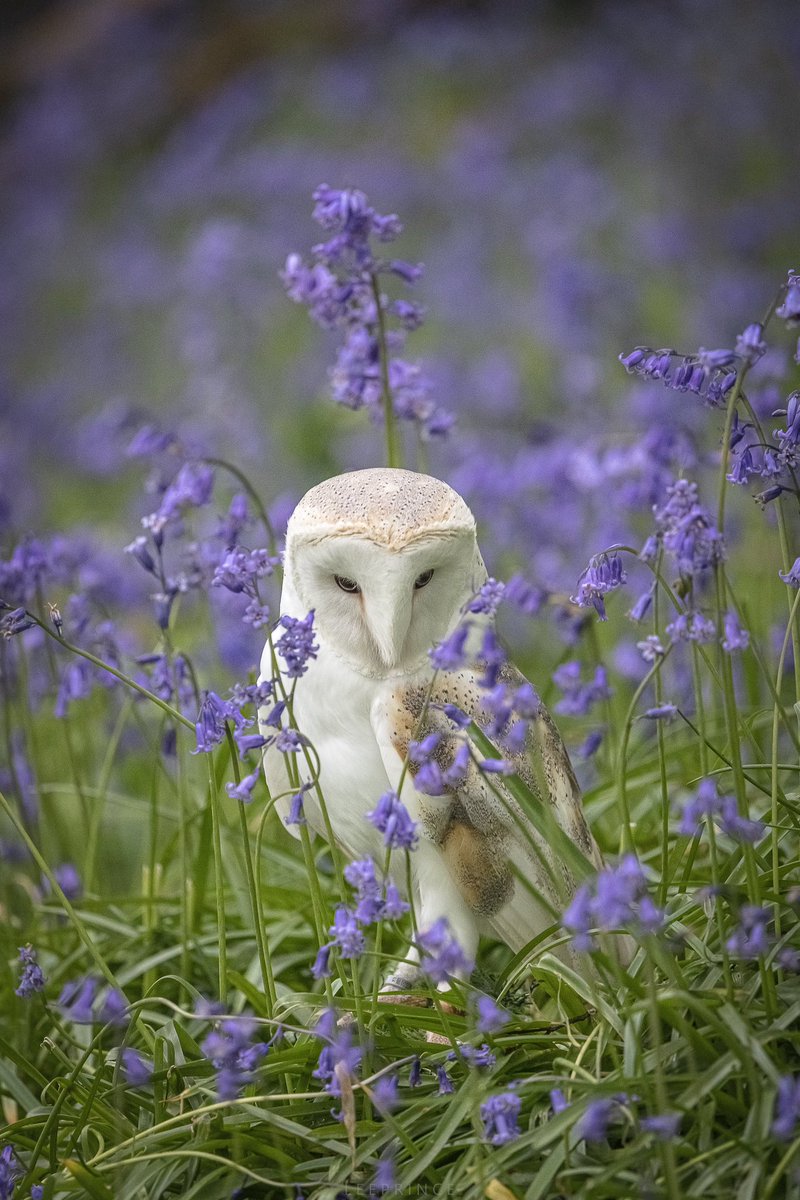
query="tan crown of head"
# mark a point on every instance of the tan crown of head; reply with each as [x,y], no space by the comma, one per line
[384,504]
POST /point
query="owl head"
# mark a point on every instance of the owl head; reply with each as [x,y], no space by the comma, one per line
[387,559]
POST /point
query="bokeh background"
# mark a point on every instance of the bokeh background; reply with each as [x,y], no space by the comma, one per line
[577,178]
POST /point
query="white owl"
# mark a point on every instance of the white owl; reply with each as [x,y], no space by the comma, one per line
[388,559]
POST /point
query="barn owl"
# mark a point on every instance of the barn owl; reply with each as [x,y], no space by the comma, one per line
[389,560]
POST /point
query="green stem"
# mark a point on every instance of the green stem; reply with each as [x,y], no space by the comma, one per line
[219,881]
[390,423]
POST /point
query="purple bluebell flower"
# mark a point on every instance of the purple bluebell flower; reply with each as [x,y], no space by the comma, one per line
[787,1099]
[394,906]
[750,344]
[114,1009]
[663,712]
[138,1072]
[591,744]
[32,978]
[321,968]
[211,719]
[387,1098]
[451,654]
[524,596]
[593,1125]
[296,816]
[345,933]
[233,1054]
[76,1000]
[792,576]
[688,530]
[558,1101]
[246,742]
[243,790]
[488,598]
[290,741]
[385,1177]
[749,939]
[433,781]
[476,1056]
[76,684]
[445,1082]
[296,645]
[736,637]
[338,1051]
[706,803]
[743,467]
[391,818]
[68,880]
[618,898]
[663,1126]
[642,606]
[491,1017]
[138,549]
[650,648]
[579,697]
[692,626]
[740,828]
[442,955]
[789,308]
[361,876]
[491,657]
[415,1073]
[500,1116]
[10,1171]
[604,574]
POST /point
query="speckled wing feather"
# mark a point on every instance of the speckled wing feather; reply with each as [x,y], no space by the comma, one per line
[482,833]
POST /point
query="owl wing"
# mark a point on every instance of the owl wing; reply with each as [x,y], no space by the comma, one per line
[511,878]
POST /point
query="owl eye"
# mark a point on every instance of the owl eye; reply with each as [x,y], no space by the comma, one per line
[346,584]
[423,580]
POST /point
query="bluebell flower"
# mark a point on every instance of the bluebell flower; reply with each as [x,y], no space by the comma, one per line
[618,898]
[594,1123]
[296,645]
[524,596]
[386,1095]
[476,1056]
[488,598]
[789,438]
[750,344]
[211,719]
[391,818]
[415,1073]
[138,1072]
[642,606]
[138,549]
[290,741]
[692,626]
[789,308]
[243,790]
[451,654]
[792,576]
[361,876]
[663,712]
[743,467]
[578,696]
[296,816]
[741,829]
[706,803]
[558,1101]
[500,1116]
[246,742]
[76,684]
[385,1177]
[604,573]
[445,1082]
[394,906]
[688,530]
[591,744]
[10,1171]
[650,648]
[68,879]
[321,968]
[433,781]
[491,1017]
[32,978]
[76,1000]
[346,934]
[442,955]
[114,1008]
[234,1055]
[736,637]
[339,1051]
[749,939]
[664,1126]
[787,1099]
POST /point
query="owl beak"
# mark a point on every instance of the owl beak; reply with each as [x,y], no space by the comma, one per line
[388,614]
